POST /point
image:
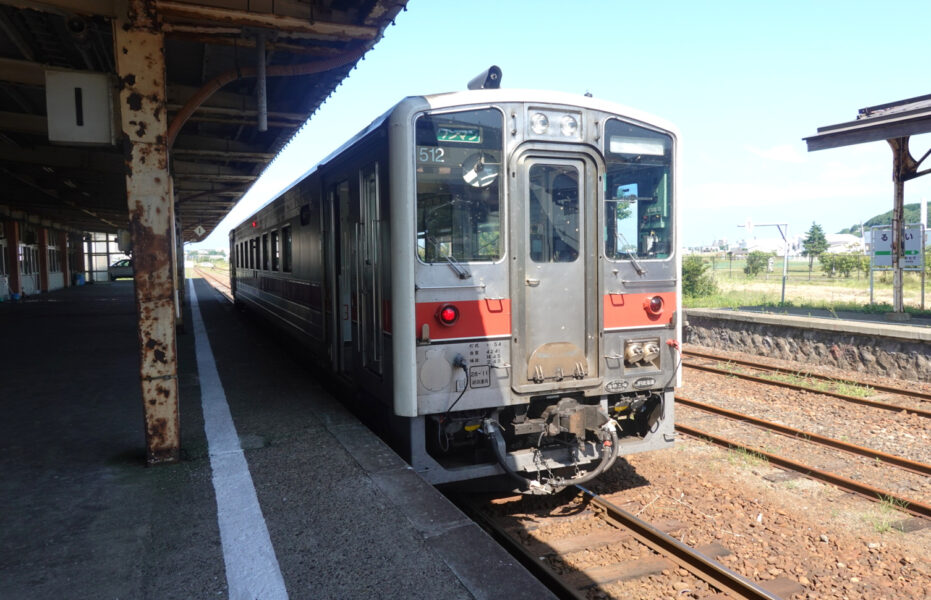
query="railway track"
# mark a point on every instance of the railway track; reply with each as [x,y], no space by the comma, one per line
[806,374]
[603,525]
[873,493]
[807,436]
[219,282]
[729,372]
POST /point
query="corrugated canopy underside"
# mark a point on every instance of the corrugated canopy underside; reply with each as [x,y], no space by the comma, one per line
[219,151]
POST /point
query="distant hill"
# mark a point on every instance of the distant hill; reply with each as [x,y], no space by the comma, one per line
[912,215]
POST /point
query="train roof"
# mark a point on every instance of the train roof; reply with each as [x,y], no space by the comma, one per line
[488,96]
[451,99]
[492,96]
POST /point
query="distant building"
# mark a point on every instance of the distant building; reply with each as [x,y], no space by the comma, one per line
[775,245]
[842,243]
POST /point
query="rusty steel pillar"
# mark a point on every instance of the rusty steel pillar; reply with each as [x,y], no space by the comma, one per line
[15,282]
[139,47]
[904,167]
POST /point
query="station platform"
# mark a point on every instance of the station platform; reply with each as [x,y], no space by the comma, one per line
[324,508]
[854,342]
[914,328]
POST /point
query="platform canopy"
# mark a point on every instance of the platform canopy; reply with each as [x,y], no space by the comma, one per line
[212,55]
[895,123]
[875,124]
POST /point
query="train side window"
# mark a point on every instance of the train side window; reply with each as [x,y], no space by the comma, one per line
[264,251]
[286,249]
[459,191]
[370,213]
[253,248]
[638,192]
[276,256]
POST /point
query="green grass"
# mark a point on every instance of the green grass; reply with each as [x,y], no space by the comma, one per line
[767,294]
[889,513]
[746,458]
[853,389]
[840,387]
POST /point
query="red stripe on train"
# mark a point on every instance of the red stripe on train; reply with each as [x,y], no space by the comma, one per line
[628,310]
[477,318]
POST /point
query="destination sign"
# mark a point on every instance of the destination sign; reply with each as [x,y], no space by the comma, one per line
[469,135]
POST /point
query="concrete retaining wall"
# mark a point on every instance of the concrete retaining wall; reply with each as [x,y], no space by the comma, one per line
[888,350]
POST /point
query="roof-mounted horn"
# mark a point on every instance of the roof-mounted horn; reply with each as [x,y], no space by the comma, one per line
[489,79]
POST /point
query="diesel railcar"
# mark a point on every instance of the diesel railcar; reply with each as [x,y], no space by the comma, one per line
[495,272]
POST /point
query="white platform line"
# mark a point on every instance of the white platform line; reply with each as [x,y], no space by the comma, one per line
[252,570]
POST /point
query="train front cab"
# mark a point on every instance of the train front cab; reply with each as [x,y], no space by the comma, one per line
[544,279]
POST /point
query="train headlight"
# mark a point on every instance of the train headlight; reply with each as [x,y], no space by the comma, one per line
[569,126]
[633,353]
[650,351]
[653,305]
[447,315]
[539,123]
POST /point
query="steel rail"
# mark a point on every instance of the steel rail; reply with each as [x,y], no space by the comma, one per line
[883,405]
[226,291]
[807,374]
[911,506]
[532,562]
[899,461]
[688,558]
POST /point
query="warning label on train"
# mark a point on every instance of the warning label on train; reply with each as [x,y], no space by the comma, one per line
[480,376]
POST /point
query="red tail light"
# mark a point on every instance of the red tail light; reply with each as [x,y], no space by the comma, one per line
[447,315]
[653,305]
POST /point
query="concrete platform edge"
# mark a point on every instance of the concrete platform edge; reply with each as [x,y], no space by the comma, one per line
[901,332]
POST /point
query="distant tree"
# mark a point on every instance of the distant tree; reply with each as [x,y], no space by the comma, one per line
[815,243]
[912,215]
[843,264]
[757,262]
[695,280]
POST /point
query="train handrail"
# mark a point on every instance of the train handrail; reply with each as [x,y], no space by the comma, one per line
[646,281]
[479,286]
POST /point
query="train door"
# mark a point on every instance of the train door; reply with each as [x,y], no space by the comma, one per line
[344,236]
[368,256]
[553,282]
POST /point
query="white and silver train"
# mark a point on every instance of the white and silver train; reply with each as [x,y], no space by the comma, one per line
[494,273]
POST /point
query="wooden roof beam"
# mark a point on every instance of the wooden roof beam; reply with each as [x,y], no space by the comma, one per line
[172,10]
[222,155]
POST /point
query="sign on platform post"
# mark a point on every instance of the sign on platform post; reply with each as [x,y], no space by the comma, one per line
[913,259]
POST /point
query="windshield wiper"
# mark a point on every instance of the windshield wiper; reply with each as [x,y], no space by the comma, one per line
[461,271]
[633,260]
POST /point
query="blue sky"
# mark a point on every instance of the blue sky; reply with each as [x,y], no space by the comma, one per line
[743,81]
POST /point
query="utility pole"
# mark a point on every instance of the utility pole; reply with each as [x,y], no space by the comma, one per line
[785,257]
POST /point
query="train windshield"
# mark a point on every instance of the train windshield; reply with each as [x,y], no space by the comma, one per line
[459,191]
[638,192]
